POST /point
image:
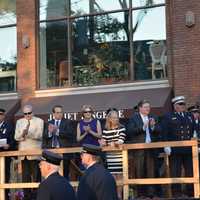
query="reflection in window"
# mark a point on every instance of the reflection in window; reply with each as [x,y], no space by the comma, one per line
[53,9]
[139,3]
[105,5]
[7,12]
[8,58]
[53,54]
[79,7]
[149,43]
[101,49]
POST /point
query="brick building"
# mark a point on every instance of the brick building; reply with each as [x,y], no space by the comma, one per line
[103,53]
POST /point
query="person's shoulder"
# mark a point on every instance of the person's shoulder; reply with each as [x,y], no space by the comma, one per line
[38,119]
[66,120]
[20,120]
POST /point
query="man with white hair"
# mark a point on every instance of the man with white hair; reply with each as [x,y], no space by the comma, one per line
[54,186]
[28,134]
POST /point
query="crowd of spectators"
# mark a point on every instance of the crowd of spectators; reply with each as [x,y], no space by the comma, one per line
[31,132]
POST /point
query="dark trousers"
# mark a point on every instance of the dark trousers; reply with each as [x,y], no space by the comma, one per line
[66,164]
[144,163]
[177,161]
[30,173]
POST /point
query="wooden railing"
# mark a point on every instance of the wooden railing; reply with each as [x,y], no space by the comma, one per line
[126,180]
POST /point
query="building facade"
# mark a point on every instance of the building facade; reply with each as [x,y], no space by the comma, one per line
[104,53]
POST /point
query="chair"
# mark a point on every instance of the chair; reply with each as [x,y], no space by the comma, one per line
[158,55]
[63,73]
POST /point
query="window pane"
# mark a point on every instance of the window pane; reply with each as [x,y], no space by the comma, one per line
[79,7]
[7,12]
[53,54]
[149,37]
[101,49]
[53,9]
[138,3]
[8,59]
[105,5]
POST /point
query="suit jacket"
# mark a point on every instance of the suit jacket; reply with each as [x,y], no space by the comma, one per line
[55,187]
[136,134]
[34,138]
[97,184]
[65,137]
[7,132]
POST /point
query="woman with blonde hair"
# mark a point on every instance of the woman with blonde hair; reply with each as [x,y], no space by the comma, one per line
[88,129]
[114,135]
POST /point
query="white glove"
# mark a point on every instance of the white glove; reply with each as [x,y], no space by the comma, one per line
[167,150]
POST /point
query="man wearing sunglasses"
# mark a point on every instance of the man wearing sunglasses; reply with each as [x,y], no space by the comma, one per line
[179,126]
[28,134]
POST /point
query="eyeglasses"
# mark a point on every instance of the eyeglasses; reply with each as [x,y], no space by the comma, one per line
[87,111]
[28,113]
[181,104]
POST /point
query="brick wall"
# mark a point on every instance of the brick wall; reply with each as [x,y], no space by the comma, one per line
[27,57]
[184,50]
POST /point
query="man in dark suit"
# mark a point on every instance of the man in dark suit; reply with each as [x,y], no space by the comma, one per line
[59,134]
[97,183]
[54,186]
[144,128]
[179,126]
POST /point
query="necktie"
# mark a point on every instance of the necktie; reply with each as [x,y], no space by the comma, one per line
[57,123]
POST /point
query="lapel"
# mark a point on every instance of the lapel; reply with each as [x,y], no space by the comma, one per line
[2,125]
[140,121]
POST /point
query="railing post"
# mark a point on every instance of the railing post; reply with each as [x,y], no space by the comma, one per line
[125,174]
[2,176]
[195,163]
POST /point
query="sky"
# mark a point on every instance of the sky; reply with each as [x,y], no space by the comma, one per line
[149,22]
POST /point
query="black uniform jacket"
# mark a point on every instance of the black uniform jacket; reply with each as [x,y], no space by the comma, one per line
[97,184]
[55,187]
[7,132]
[178,128]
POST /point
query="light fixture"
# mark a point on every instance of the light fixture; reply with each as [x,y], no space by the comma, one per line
[189,19]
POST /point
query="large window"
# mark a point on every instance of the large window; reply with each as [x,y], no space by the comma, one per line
[8,50]
[95,42]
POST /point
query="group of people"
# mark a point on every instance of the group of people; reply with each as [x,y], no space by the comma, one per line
[32,132]
[97,183]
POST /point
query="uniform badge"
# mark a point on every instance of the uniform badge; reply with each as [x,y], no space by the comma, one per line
[4,131]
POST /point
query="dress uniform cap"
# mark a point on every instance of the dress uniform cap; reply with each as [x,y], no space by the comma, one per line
[2,110]
[91,149]
[194,108]
[51,157]
[178,99]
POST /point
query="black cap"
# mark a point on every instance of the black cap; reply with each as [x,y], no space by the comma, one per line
[51,157]
[91,149]
[2,110]
[194,108]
